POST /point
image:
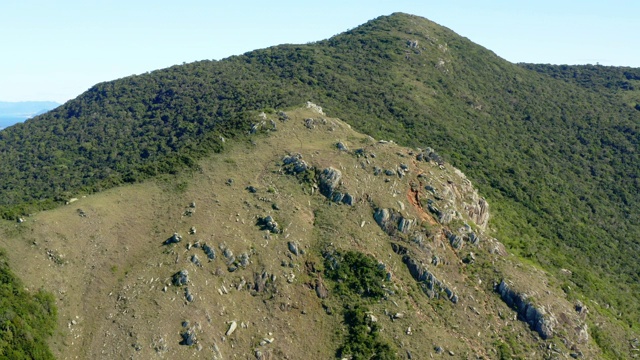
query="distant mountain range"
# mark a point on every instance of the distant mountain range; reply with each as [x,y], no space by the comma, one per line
[15,112]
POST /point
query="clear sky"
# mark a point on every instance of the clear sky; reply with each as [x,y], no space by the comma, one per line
[55,50]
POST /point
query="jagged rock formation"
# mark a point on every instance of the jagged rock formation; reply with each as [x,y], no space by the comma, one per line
[541,322]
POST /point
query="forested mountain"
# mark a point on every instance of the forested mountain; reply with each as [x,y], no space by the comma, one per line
[553,148]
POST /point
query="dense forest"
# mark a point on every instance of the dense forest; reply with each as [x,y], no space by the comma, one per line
[26,320]
[555,149]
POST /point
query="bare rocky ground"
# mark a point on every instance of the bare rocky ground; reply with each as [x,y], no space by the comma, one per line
[242,276]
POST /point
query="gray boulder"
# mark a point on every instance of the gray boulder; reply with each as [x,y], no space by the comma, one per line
[347,199]
[309,123]
[268,223]
[180,278]
[321,289]
[260,281]
[293,248]
[282,116]
[329,180]
[175,238]
[195,260]
[244,259]
[392,221]
[188,295]
[209,251]
[188,337]
[455,240]
[337,197]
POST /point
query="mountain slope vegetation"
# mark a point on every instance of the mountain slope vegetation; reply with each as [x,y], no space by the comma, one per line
[381,250]
[556,156]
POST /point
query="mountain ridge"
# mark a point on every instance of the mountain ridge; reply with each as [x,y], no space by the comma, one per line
[556,161]
[312,225]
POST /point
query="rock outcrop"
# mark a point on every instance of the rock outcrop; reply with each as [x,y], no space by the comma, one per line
[538,318]
[328,181]
[391,221]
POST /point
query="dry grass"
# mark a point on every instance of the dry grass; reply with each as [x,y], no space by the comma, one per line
[108,269]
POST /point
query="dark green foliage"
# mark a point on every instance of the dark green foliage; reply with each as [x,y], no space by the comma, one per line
[594,77]
[355,273]
[363,340]
[26,320]
[357,280]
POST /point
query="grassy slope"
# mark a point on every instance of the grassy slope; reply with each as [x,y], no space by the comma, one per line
[107,269]
[558,161]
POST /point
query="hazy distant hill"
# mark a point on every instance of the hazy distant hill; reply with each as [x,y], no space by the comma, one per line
[15,112]
[555,150]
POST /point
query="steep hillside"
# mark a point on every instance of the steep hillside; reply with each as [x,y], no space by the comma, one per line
[557,159]
[381,250]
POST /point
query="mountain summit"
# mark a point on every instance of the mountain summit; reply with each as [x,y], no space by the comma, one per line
[556,158]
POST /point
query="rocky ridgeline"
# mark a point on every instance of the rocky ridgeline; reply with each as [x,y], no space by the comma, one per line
[246,261]
[459,218]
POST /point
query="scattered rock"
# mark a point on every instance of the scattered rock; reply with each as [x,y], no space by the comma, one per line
[391,221]
[252,189]
[309,123]
[195,260]
[188,295]
[232,327]
[192,230]
[580,308]
[321,289]
[329,180]
[175,238]
[260,281]
[293,247]
[341,146]
[430,155]
[347,199]
[268,223]
[244,259]
[314,107]
[293,164]
[282,116]
[188,337]
[180,278]
[209,251]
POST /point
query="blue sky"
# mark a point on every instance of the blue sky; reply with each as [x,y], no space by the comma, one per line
[55,50]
